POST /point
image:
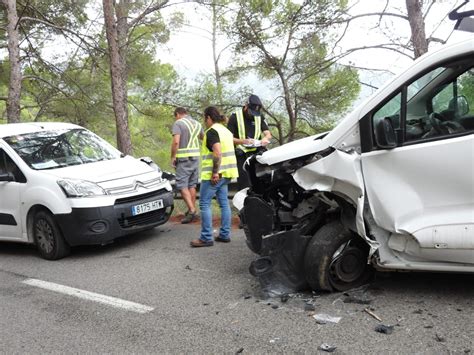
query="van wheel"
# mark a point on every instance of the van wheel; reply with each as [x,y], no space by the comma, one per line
[336,259]
[48,238]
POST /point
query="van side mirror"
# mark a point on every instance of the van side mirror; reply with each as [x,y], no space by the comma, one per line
[465,24]
[459,105]
[385,136]
[7,177]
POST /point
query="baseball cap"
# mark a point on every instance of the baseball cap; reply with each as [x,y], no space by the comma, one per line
[254,105]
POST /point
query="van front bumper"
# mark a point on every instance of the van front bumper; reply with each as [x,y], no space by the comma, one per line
[102,225]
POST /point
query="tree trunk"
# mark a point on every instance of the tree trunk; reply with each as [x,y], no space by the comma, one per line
[217,73]
[118,73]
[417,24]
[289,107]
[14,90]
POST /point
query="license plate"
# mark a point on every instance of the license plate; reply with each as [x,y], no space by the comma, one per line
[147,207]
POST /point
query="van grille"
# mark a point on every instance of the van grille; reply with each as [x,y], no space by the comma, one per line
[139,197]
[142,219]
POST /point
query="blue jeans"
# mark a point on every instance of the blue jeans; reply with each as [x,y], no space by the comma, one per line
[206,193]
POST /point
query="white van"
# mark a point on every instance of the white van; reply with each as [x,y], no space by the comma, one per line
[61,186]
[392,184]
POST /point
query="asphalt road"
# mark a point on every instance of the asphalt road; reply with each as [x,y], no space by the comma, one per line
[204,301]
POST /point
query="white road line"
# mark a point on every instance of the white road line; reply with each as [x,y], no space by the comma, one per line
[90,296]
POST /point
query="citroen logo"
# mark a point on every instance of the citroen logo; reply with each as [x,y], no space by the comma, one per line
[137,184]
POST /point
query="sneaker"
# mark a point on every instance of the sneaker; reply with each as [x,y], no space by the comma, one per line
[196,243]
[222,239]
[189,217]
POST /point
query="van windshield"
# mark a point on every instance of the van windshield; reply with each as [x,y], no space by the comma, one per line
[60,148]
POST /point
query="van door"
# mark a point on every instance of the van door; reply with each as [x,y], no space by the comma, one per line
[10,202]
[424,187]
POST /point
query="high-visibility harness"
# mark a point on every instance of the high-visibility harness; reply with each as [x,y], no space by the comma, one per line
[228,167]
[241,128]
[192,148]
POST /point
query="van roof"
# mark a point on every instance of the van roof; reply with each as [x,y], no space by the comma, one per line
[11,129]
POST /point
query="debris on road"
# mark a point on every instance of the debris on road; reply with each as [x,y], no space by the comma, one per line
[440,338]
[357,300]
[328,348]
[246,297]
[274,340]
[323,318]
[187,267]
[284,297]
[239,351]
[384,329]
[275,306]
[372,314]
[309,307]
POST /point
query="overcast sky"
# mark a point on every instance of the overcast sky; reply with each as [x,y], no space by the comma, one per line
[190,51]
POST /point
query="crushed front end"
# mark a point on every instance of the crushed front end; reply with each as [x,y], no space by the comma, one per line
[279,218]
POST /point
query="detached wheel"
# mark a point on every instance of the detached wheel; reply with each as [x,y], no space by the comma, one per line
[48,238]
[336,259]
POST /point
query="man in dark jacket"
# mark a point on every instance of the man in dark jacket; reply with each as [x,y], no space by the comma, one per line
[251,134]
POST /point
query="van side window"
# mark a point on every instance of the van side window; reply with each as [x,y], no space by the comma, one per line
[7,165]
[437,105]
[441,104]
[392,110]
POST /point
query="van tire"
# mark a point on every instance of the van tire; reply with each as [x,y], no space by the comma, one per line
[336,259]
[48,237]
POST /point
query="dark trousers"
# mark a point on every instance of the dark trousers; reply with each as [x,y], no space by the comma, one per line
[243,179]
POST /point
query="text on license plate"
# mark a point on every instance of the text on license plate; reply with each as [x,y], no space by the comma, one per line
[147,207]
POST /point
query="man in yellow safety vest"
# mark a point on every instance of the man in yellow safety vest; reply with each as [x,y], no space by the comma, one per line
[218,167]
[185,158]
[251,134]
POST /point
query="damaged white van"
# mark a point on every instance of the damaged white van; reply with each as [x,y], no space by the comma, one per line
[61,186]
[391,186]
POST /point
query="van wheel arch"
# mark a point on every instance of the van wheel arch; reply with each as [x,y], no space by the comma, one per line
[336,259]
[42,215]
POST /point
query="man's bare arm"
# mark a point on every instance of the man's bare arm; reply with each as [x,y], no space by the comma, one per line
[174,148]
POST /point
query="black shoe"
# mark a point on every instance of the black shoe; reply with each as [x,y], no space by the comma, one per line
[189,217]
[222,240]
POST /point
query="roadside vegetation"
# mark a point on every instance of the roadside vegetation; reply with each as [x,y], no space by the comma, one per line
[104,75]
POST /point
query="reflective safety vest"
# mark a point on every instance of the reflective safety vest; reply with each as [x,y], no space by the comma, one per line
[241,128]
[228,168]
[192,149]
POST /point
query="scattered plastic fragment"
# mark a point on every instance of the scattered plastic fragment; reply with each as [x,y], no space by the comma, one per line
[239,351]
[246,297]
[272,341]
[428,326]
[372,314]
[328,348]
[322,318]
[440,338]
[384,329]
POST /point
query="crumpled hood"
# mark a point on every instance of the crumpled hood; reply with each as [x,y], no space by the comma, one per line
[102,171]
[295,149]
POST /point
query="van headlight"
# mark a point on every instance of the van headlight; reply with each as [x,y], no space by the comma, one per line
[80,188]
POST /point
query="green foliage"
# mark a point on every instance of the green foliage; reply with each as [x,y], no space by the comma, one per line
[286,42]
[466,88]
